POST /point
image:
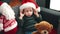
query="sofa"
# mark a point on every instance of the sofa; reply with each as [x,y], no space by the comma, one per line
[52,16]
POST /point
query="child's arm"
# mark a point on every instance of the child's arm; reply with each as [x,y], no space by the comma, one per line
[38,19]
[20,22]
[20,19]
[37,16]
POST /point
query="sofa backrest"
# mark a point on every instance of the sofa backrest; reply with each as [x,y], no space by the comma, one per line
[16,10]
[51,16]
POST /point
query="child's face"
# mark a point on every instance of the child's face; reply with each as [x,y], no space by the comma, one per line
[28,11]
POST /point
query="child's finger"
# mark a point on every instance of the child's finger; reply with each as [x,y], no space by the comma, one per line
[21,11]
[34,10]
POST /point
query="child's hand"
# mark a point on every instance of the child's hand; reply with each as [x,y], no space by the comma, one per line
[21,15]
[36,12]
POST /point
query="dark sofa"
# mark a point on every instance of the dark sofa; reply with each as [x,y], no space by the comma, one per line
[49,15]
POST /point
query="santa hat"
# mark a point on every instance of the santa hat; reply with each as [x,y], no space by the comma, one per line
[7,11]
[9,17]
[29,3]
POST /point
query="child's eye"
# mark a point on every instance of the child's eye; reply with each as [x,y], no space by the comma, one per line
[31,10]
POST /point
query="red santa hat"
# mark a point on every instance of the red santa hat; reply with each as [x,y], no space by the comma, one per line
[6,10]
[29,3]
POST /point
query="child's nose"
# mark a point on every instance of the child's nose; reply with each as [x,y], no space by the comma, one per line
[29,12]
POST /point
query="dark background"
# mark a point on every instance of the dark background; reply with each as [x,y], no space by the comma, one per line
[42,3]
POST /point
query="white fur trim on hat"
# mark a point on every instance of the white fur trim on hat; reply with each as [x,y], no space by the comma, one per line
[11,27]
[38,9]
[1,26]
[28,4]
[7,11]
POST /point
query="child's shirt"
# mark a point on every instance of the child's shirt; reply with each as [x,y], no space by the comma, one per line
[27,23]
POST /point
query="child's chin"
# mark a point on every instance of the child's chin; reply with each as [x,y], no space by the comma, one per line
[29,15]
